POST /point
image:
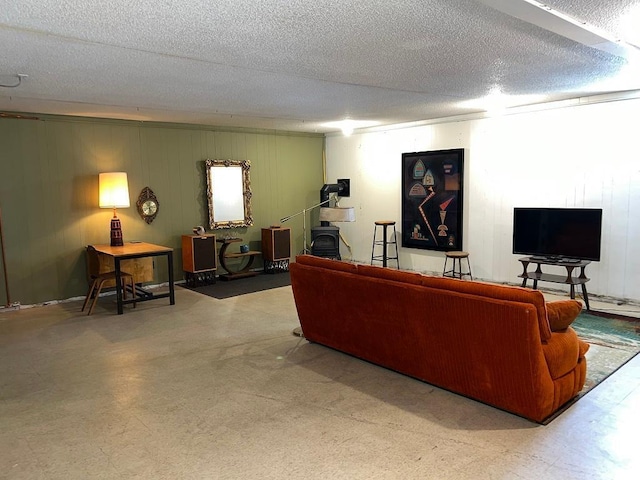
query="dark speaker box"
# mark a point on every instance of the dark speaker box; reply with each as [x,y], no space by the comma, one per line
[198,253]
[276,244]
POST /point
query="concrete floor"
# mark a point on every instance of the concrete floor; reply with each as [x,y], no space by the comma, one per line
[220,389]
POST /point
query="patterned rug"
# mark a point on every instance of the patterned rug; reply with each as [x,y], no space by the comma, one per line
[613,340]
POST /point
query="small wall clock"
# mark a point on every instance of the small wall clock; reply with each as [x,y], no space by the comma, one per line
[148,205]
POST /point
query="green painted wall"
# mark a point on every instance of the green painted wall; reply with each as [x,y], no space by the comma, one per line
[49,191]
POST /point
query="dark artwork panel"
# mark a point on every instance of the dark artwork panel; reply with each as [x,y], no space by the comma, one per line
[432,199]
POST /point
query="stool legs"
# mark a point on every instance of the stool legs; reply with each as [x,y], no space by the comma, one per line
[384,246]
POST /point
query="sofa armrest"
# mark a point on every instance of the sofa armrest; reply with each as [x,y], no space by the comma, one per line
[563,351]
[562,313]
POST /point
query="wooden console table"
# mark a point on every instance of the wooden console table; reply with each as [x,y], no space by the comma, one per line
[241,272]
[568,279]
[132,250]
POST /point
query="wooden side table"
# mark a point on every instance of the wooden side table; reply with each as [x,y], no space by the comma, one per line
[132,250]
[568,279]
[242,271]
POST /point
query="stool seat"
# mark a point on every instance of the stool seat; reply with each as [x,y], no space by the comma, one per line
[385,222]
[457,254]
[456,273]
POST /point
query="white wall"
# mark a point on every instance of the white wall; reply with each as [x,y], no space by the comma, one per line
[578,156]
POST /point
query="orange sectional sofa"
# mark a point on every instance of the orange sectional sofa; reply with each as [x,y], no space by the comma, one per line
[492,343]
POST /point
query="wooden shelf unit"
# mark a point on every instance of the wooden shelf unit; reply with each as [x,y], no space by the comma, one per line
[568,279]
[241,271]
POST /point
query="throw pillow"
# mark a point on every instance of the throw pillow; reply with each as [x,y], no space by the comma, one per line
[562,313]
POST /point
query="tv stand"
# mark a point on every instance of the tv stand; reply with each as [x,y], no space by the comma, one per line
[569,279]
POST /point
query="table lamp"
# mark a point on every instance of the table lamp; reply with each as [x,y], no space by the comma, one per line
[114,193]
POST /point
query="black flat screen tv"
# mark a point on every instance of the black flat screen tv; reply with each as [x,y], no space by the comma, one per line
[558,234]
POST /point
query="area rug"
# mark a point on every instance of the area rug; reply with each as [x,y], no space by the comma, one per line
[242,286]
[613,341]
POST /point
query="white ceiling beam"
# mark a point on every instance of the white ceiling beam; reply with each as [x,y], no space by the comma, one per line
[546,17]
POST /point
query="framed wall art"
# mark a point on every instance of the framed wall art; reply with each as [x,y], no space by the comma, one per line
[432,199]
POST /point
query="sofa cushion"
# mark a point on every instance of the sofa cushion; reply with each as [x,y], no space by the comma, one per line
[562,313]
[390,274]
[321,262]
[499,292]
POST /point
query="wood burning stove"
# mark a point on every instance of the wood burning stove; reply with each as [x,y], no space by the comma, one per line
[325,242]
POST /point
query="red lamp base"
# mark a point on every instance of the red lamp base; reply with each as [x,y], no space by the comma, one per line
[116,232]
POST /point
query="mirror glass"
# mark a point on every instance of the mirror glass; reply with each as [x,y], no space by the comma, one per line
[229,193]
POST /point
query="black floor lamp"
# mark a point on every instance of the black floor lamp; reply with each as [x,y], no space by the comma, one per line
[303,212]
[342,189]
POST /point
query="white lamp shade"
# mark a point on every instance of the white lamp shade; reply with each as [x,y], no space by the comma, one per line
[114,190]
[337,214]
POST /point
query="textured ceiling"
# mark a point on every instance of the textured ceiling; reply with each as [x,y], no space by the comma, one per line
[296,64]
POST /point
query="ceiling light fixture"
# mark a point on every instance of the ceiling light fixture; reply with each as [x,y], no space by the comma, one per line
[348,125]
[495,102]
[347,128]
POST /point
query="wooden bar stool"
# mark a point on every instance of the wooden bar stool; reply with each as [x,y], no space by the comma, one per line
[453,272]
[385,242]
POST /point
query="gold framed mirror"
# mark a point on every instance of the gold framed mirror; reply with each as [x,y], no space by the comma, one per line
[229,193]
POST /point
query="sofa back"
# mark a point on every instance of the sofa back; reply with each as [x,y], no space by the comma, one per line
[499,292]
